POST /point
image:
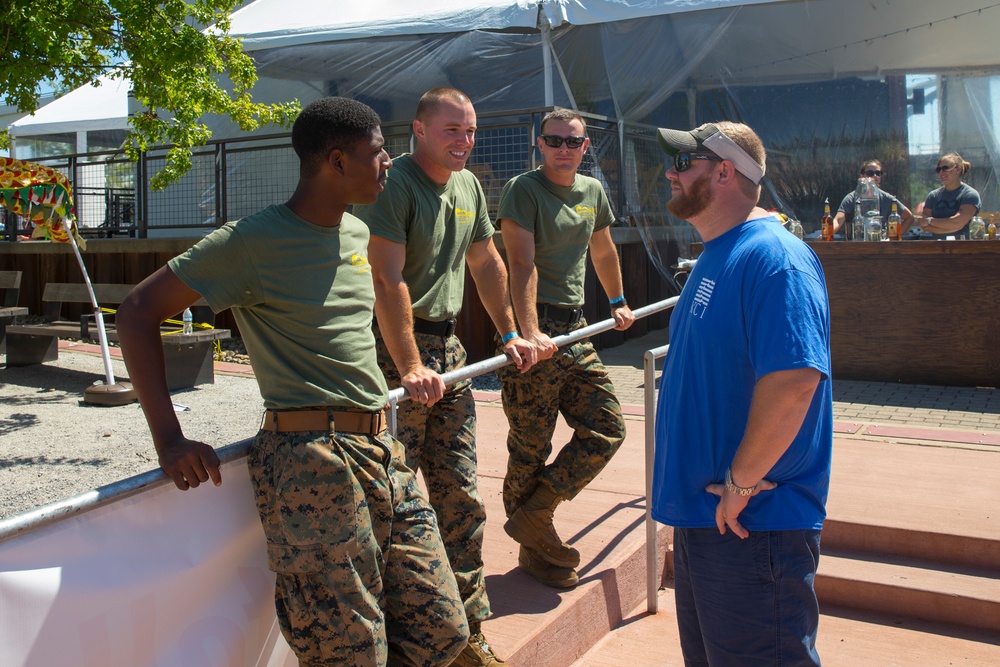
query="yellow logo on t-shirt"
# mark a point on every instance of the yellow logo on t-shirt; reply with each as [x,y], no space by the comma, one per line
[588,213]
[361,263]
[464,217]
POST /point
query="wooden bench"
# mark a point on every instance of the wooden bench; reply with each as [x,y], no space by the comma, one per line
[189,357]
[10,287]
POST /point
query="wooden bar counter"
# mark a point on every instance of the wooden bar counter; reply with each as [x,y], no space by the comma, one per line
[916,312]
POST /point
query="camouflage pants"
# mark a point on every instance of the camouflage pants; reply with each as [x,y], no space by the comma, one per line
[440,442]
[575,383]
[360,573]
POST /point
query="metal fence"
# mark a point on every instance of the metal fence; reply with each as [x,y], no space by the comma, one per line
[233,178]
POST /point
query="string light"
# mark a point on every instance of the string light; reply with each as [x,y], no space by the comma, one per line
[870,40]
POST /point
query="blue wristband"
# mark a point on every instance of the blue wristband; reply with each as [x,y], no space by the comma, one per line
[617,300]
[509,337]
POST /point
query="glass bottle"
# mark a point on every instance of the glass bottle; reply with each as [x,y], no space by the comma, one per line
[977,229]
[895,224]
[991,229]
[827,222]
[795,227]
[858,223]
[873,228]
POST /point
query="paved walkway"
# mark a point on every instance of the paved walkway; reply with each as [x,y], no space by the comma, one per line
[956,408]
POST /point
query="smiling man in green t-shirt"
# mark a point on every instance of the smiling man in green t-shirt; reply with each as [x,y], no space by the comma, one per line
[430,223]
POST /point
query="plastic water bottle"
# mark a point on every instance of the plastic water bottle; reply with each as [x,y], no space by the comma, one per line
[188,321]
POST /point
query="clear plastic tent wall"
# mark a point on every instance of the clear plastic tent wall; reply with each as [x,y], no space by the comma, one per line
[826,83]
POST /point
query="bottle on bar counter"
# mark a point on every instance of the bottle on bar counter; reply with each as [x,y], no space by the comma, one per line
[826,230]
[991,230]
[858,223]
[895,224]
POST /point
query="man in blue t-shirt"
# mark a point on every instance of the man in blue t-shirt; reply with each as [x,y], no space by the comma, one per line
[744,421]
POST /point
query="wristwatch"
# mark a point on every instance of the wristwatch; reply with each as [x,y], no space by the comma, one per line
[738,490]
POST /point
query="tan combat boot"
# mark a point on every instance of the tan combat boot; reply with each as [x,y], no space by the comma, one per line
[542,570]
[477,653]
[531,525]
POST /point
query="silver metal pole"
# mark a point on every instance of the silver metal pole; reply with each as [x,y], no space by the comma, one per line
[53,512]
[649,410]
[499,361]
[104,495]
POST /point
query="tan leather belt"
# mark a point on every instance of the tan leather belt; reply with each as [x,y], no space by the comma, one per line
[324,419]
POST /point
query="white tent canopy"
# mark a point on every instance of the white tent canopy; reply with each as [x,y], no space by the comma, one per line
[621,58]
[91,107]
[267,24]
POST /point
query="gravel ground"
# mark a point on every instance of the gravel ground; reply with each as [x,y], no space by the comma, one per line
[53,445]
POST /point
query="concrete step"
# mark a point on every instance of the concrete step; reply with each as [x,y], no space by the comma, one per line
[937,546]
[847,638]
[913,588]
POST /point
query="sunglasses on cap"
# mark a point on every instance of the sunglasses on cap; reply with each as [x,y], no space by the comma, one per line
[555,141]
[682,161]
[938,170]
[873,172]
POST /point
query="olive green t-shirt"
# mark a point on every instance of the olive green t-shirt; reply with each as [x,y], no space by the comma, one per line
[437,223]
[302,296]
[563,219]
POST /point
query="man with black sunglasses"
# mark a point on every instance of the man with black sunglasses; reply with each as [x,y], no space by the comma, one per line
[549,218]
[845,214]
[744,422]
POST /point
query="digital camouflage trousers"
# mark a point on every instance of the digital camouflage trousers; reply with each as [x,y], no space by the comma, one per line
[574,383]
[440,442]
[360,572]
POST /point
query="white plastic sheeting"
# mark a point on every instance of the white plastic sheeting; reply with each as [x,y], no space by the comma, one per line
[161,579]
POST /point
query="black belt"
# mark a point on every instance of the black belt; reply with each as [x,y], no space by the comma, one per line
[560,314]
[444,328]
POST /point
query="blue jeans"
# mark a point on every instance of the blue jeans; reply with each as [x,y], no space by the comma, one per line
[746,602]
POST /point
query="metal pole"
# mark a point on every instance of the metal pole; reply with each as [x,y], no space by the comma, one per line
[499,361]
[98,316]
[122,489]
[649,409]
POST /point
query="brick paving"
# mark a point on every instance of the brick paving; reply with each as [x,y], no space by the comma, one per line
[962,408]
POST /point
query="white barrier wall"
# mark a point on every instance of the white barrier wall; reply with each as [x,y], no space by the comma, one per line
[164,578]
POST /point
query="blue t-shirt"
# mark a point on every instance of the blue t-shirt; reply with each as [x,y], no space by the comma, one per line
[755,303]
[943,203]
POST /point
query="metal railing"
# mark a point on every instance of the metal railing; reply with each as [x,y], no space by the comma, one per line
[120,490]
[649,417]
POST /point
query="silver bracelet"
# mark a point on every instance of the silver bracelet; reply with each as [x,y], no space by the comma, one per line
[738,490]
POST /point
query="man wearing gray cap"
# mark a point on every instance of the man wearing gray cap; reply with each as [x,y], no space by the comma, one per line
[744,421]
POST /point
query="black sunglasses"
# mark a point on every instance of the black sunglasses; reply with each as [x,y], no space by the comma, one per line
[938,170]
[873,172]
[682,161]
[555,141]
